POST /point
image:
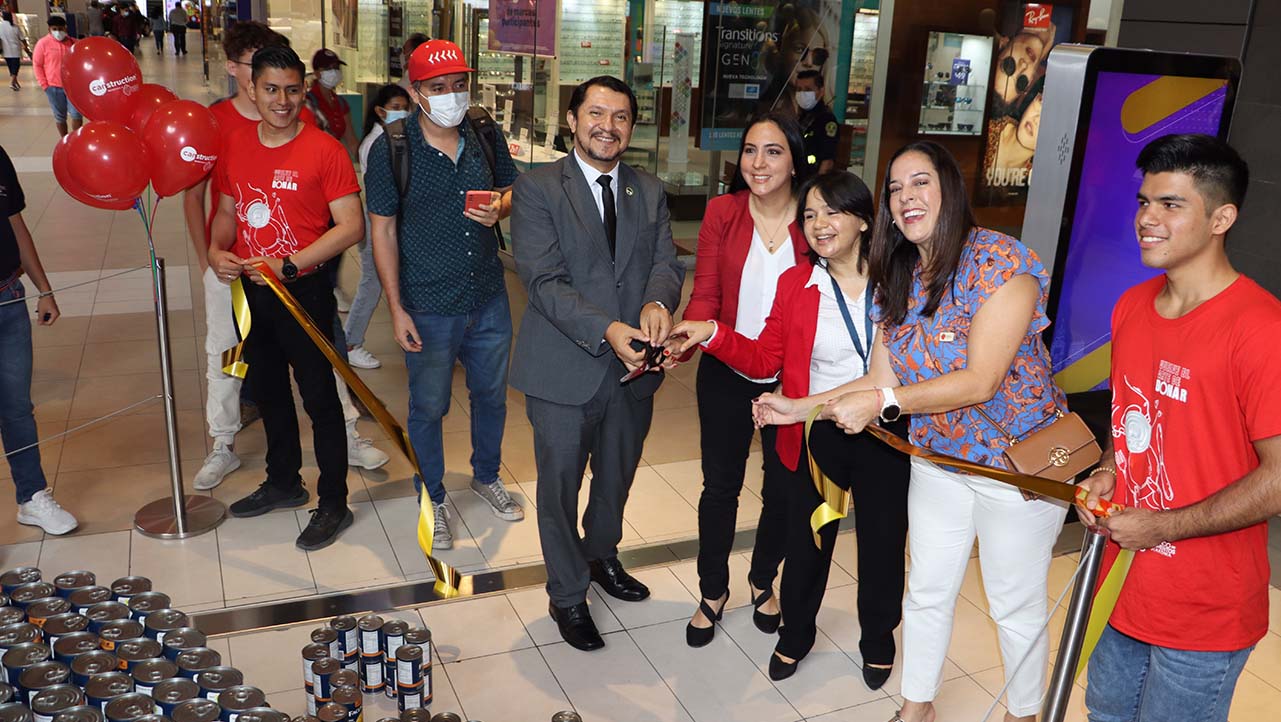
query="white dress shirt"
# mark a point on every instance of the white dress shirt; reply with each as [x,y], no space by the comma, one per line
[757,287]
[834,361]
[591,174]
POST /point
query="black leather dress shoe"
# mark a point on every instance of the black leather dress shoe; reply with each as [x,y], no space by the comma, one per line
[576,626]
[616,582]
[876,677]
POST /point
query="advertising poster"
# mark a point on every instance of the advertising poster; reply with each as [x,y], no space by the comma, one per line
[522,26]
[1102,258]
[752,52]
[1025,36]
[682,89]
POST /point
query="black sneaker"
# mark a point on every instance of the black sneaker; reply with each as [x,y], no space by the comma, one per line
[325,526]
[268,498]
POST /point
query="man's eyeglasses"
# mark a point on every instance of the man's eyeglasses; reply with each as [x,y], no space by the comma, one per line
[241,62]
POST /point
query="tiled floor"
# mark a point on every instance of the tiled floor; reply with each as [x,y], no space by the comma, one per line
[500,658]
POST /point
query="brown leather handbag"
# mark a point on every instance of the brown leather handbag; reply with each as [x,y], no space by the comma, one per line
[1059,451]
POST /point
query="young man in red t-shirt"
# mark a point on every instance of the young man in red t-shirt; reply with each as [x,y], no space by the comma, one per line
[289,200]
[223,412]
[1196,449]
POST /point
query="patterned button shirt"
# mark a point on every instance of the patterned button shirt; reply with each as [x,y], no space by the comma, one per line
[923,348]
[449,263]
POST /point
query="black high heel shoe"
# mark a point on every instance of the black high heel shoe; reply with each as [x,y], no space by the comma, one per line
[780,670]
[767,623]
[875,677]
[702,636]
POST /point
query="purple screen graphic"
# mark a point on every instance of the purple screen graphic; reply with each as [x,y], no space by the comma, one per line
[1103,256]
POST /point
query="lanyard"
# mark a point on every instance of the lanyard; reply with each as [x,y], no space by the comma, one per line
[849,322]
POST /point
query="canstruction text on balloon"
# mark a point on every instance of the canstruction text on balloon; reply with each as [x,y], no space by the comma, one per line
[136,133]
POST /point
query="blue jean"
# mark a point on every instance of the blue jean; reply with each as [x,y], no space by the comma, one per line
[17,424]
[367,293]
[1133,681]
[482,340]
[59,104]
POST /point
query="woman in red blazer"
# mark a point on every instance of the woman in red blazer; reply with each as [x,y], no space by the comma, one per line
[819,335]
[748,238]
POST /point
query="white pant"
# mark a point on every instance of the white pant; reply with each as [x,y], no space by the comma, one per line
[222,406]
[1016,537]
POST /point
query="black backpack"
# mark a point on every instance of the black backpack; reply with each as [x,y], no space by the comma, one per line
[398,146]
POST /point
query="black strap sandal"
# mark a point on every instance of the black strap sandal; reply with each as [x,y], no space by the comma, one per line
[702,636]
[767,623]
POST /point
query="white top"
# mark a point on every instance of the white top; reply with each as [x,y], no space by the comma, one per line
[365,145]
[757,287]
[591,174]
[10,40]
[834,361]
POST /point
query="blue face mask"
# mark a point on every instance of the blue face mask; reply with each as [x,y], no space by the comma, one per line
[395,115]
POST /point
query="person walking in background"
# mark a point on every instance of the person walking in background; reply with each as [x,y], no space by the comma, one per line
[36,505]
[158,30]
[389,105]
[94,17]
[406,51]
[437,258]
[126,28]
[46,61]
[593,244]
[11,46]
[332,113]
[178,28]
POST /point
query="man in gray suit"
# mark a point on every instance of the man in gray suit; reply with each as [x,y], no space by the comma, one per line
[593,246]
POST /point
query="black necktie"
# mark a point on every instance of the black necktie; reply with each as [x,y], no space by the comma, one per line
[611,214]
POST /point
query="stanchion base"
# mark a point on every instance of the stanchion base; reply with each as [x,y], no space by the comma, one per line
[156,520]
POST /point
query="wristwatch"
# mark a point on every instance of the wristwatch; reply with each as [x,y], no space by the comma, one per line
[890,410]
[288,268]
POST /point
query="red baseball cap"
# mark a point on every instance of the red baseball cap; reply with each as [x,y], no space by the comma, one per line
[324,59]
[435,58]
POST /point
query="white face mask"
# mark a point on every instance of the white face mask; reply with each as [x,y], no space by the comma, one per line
[58,35]
[447,110]
[807,99]
[395,115]
[330,78]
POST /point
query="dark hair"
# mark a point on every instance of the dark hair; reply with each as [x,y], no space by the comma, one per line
[845,192]
[814,75]
[608,82]
[57,21]
[791,129]
[413,41]
[893,257]
[247,35]
[384,96]
[277,56]
[1219,172]
[6,15]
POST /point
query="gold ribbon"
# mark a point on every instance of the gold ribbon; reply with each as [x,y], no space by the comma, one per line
[449,583]
[836,501]
[233,359]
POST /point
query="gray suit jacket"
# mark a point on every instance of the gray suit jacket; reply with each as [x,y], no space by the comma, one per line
[575,290]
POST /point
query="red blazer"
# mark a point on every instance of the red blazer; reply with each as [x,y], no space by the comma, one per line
[723,242]
[786,343]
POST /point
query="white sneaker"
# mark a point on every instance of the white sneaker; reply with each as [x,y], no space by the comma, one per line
[360,358]
[220,462]
[361,452]
[344,305]
[45,512]
[441,538]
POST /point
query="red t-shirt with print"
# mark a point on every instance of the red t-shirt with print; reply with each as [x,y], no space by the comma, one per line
[282,194]
[1189,396]
[230,122]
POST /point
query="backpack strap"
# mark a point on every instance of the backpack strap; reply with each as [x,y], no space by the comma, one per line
[398,149]
[482,123]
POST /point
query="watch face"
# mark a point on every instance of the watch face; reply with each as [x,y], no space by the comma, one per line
[891,412]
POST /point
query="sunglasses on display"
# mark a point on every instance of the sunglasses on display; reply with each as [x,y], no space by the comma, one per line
[1009,67]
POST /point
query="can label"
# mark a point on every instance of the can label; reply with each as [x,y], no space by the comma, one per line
[311,705]
[392,644]
[389,674]
[409,672]
[143,689]
[212,696]
[373,674]
[409,700]
[348,641]
[369,643]
[352,663]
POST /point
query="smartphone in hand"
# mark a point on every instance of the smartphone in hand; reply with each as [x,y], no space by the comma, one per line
[476,199]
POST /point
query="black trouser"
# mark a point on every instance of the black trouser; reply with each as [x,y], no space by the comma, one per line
[276,343]
[725,421]
[877,476]
[159,35]
[179,39]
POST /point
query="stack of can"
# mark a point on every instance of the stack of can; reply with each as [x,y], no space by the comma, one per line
[383,656]
[72,650]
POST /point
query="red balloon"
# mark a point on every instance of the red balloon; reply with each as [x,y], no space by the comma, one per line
[101,78]
[183,143]
[62,172]
[145,102]
[108,162]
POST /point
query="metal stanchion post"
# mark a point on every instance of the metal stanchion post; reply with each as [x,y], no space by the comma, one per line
[179,516]
[1078,615]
